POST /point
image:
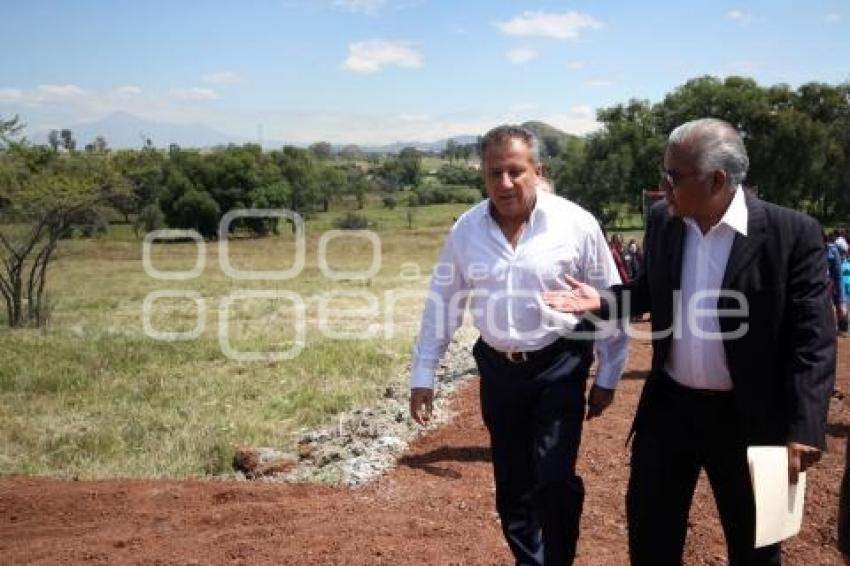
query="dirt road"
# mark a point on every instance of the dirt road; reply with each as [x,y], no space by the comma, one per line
[436,507]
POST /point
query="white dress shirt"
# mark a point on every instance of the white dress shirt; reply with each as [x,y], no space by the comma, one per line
[697,361]
[504,285]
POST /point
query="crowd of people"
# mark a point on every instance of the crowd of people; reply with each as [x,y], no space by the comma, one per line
[627,258]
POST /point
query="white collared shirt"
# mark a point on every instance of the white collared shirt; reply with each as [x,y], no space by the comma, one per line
[697,361]
[504,285]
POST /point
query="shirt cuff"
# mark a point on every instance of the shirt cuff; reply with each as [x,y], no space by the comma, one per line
[607,377]
[422,376]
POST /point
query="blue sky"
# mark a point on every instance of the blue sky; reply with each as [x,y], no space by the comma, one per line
[379,71]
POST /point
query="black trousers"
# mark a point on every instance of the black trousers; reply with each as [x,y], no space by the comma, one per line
[534,412]
[678,432]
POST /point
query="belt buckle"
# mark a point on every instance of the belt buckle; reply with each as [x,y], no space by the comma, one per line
[516,357]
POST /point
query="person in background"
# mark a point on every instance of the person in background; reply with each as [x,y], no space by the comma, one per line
[844,499]
[844,316]
[834,261]
[632,259]
[841,240]
[617,253]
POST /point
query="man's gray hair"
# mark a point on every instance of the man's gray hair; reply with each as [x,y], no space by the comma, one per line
[506,132]
[716,145]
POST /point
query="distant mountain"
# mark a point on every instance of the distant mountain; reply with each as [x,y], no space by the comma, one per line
[436,146]
[123,130]
[543,130]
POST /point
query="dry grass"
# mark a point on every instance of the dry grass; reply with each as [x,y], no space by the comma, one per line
[93,396]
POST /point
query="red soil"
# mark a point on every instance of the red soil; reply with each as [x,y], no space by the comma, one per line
[436,507]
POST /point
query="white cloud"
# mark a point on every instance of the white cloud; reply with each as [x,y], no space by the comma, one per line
[59,91]
[192,93]
[834,17]
[598,83]
[566,25]
[739,16]
[221,78]
[414,117]
[372,56]
[128,90]
[41,94]
[520,55]
[577,121]
[51,106]
[11,94]
[583,111]
[360,6]
[575,65]
[383,128]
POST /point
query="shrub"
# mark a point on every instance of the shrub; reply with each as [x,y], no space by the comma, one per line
[198,210]
[352,221]
[150,218]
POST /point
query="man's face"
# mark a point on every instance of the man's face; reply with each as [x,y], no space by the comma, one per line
[687,190]
[511,177]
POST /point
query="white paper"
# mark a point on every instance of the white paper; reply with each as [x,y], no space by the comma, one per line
[779,505]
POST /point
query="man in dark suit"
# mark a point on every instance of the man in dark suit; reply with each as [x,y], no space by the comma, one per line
[743,344]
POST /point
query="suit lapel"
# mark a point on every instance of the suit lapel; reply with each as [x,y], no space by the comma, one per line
[673,242]
[745,248]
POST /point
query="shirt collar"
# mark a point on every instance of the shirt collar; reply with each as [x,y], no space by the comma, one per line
[736,215]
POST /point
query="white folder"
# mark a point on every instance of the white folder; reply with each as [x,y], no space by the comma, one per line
[779,505]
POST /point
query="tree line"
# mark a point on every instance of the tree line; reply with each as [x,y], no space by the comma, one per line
[798,142]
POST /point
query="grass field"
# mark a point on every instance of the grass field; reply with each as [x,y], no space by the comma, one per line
[93,396]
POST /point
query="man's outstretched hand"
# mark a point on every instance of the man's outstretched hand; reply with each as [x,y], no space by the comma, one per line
[579,298]
[421,404]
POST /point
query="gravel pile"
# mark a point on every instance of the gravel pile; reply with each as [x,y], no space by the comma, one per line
[368,441]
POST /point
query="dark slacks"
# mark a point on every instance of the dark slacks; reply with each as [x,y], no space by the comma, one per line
[534,412]
[678,432]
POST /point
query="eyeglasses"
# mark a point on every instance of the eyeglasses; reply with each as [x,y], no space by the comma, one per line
[670,178]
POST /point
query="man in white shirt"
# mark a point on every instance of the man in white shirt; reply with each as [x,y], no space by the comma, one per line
[499,258]
[743,345]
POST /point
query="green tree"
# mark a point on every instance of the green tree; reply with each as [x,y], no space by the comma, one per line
[451,151]
[53,140]
[43,194]
[197,210]
[68,141]
[321,150]
[274,196]
[410,162]
[10,128]
[331,185]
[298,169]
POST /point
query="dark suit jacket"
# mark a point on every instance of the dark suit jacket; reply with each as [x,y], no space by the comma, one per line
[783,367]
